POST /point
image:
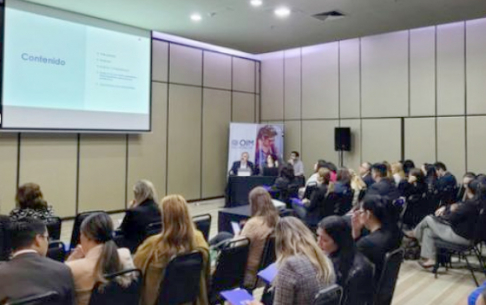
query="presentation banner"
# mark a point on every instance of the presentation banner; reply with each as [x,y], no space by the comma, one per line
[258,140]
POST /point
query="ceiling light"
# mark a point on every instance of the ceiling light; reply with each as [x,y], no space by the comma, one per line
[282,12]
[196,17]
[256,2]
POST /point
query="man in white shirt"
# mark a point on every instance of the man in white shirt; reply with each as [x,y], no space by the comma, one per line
[297,163]
[30,273]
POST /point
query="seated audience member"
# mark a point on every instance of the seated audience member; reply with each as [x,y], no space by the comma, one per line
[461,195]
[303,269]
[97,256]
[5,246]
[271,166]
[458,226]
[297,163]
[313,178]
[243,164]
[383,186]
[143,211]
[398,173]
[284,181]
[446,184]
[330,166]
[477,297]
[407,166]
[415,192]
[343,181]
[358,186]
[30,203]
[379,217]
[430,178]
[264,218]
[313,210]
[30,273]
[365,173]
[389,173]
[353,270]
[179,235]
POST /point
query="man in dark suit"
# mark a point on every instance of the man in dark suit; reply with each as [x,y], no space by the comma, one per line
[382,186]
[446,185]
[243,164]
[30,273]
[365,173]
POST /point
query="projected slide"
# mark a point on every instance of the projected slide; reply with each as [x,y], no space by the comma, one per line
[66,71]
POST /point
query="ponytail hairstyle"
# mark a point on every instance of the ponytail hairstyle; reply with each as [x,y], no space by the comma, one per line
[99,228]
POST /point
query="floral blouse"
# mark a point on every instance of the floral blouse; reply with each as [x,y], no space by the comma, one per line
[18,213]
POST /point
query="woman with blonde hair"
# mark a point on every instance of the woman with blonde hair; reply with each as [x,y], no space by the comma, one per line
[178,236]
[96,256]
[143,211]
[358,186]
[264,218]
[397,172]
[303,269]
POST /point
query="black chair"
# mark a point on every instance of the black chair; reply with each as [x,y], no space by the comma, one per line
[41,299]
[268,256]
[54,225]
[114,293]
[203,224]
[5,247]
[153,229]
[77,226]
[344,203]
[388,278]
[331,295]
[182,279]
[230,267]
[56,251]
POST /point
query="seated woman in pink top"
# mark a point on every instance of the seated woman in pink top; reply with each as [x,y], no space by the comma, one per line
[96,256]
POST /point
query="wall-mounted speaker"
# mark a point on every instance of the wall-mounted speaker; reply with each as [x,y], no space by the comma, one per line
[342,139]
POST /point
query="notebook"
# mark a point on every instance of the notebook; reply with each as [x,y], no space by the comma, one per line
[269,273]
[237,297]
[236,228]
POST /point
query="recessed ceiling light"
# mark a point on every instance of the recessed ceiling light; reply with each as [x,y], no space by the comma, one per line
[256,2]
[282,12]
[196,17]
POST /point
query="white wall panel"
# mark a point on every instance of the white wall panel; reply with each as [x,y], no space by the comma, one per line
[292,83]
[384,62]
[422,71]
[318,143]
[185,65]
[450,69]
[476,146]
[243,75]
[272,86]
[451,145]
[476,66]
[352,159]
[217,70]
[420,140]
[320,81]
[381,140]
[349,78]
[160,60]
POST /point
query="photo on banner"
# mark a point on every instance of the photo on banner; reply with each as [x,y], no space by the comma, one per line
[258,140]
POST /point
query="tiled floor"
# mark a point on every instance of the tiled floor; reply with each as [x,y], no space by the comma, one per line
[415,285]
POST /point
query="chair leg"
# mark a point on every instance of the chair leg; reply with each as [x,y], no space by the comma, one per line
[477,251]
[472,270]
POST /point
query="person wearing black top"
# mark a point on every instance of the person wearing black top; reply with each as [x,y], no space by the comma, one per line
[383,186]
[378,216]
[462,194]
[284,182]
[142,212]
[418,203]
[458,226]
[244,164]
[353,270]
[365,173]
[446,185]
[271,166]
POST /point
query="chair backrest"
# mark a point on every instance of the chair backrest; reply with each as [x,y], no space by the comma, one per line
[345,203]
[115,293]
[230,266]
[182,278]
[56,251]
[153,228]
[389,276]
[54,225]
[203,224]
[41,299]
[5,246]
[331,295]
[268,256]
[77,226]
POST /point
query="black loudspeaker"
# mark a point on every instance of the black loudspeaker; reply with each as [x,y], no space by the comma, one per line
[342,139]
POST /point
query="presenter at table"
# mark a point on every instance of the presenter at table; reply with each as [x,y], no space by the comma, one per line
[243,164]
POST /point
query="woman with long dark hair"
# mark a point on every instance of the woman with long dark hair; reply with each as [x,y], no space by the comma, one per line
[96,256]
[353,271]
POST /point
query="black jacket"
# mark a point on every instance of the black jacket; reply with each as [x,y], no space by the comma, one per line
[236,167]
[136,221]
[319,206]
[30,274]
[384,188]
[368,180]
[358,286]
[463,220]
[376,245]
